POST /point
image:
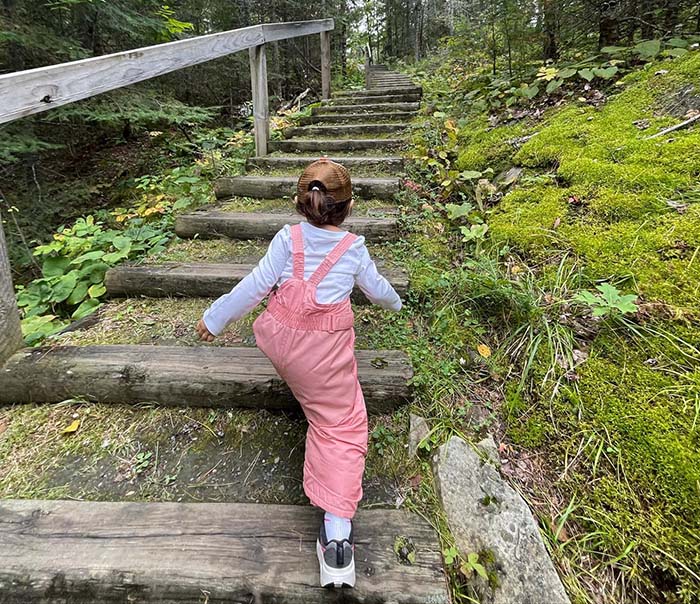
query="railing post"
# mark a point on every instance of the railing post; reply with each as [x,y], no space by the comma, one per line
[261,109]
[368,66]
[326,65]
[10,331]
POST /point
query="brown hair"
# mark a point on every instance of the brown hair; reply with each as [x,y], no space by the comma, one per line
[320,207]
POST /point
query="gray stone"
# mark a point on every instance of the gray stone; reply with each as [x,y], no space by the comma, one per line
[417,431]
[485,514]
[490,448]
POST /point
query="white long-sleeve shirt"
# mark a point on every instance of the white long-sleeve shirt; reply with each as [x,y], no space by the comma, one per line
[276,267]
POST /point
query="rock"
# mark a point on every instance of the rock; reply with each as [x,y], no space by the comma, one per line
[486,515]
[489,446]
[417,431]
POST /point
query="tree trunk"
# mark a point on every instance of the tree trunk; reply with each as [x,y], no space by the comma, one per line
[671,15]
[550,23]
[647,9]
[11,338]
[608,24]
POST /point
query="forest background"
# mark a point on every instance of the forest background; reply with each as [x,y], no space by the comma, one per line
[592,241]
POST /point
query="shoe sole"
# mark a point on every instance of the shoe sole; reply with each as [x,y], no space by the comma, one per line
[335,577]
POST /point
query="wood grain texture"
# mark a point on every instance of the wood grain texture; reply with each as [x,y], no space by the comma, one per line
[35,90]
[180,376]
[344,130]
[261,102]
[271,187]
[374,107]
[10,332]
[77,552]
[201,280]
[298,162]
[383,98]
[325,65]
[249,225]
[409,88]
[324,146]
[340,118]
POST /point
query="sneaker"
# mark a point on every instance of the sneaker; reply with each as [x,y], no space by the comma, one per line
[336,560]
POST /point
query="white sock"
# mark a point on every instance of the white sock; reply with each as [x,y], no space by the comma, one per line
[336,527]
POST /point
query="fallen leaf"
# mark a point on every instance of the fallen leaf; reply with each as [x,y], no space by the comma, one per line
[3,426]
[556,224]
[73,427]
[415,481]
[484,350]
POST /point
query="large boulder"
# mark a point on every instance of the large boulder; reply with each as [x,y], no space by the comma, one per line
[486,515]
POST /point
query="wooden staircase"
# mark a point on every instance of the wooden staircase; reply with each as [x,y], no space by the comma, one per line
[72,551]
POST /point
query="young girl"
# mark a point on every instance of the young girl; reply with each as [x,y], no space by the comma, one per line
[307,332]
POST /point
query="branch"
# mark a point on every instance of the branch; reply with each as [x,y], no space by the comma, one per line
[684,124]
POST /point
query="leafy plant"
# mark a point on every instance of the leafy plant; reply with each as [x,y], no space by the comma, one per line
[471,565]
[382,439]
[141,462]
[608,302]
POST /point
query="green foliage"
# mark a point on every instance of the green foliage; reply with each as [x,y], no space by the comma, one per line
[15,146]
[382,439]
[608,302]
[588,280]
[73,268]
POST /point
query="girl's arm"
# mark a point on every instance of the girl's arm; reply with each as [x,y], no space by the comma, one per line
[245,296]
[377,289]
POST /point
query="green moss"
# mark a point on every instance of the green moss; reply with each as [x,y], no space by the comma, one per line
[486,147]
[528,218]
[624,432]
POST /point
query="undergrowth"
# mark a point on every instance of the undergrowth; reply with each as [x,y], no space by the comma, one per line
[570,291]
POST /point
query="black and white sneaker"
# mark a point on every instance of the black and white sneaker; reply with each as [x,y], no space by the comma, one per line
[336,560]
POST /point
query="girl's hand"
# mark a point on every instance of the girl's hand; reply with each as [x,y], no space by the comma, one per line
[204,333]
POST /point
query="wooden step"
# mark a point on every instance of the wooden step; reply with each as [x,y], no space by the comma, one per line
[92,552]
[384,98]
[345,130]
[193,280]
[203,376]
[374,107]
[410,88]
[340,118]
[387,163]
[256,225]
[326,146]
[271,187]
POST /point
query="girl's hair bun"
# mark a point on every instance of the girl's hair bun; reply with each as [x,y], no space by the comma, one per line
[320,207]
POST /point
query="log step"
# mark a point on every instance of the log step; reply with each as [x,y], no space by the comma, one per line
[193,280]
[98,551]
[385,98]
[344,130]
[256,225]
[374,107]
[388,163]
[339,118]
[271,187]
[326,146]
[410,88]
[208,376]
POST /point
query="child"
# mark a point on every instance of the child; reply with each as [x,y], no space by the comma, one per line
[307,332]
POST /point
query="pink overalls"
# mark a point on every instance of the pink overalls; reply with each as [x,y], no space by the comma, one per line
[312,346]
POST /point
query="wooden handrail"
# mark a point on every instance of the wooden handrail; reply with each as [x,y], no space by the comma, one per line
[35,90]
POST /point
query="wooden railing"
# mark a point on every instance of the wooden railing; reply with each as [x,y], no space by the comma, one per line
[28,92]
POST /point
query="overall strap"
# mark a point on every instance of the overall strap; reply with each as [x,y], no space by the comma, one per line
[297,252]
[332,258]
